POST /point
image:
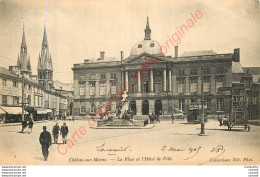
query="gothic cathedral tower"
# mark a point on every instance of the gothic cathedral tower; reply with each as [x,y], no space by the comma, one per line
[45,69]
[23,61]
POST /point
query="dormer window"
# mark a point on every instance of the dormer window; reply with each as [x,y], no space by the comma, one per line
[140,46]
[152,45]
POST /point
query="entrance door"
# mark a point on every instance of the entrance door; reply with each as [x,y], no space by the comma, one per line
[158,107]
[145,107]
[133,106]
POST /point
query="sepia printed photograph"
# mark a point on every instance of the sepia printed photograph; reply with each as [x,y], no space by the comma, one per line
[121,82]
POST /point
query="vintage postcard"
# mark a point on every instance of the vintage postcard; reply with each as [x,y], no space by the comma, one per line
[120,82]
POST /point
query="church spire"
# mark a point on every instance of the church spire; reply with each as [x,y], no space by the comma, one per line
[147,30]
[23,45]
[23,61]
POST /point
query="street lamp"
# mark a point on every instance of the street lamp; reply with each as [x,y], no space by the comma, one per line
[202,130]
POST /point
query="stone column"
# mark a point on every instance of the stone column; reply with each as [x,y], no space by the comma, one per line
[151,106]
[164,80]
[139,82]
[126,80]
[151,80]
[122,79]
[170,80]
[138,107]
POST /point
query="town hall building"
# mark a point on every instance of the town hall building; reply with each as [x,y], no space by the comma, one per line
[157,83]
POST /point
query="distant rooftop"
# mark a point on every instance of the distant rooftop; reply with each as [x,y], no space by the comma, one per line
[63,86]
[98,60]
[6,72]
[198,53]
[236,67]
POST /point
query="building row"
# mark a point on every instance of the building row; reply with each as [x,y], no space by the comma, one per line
[41,96]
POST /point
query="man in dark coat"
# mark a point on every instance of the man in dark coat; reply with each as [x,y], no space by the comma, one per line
[24,125]
[55,132]
[45,140]
[64,132]
[30,124]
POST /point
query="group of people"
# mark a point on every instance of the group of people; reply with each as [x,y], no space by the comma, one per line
[46,140]
[28,124]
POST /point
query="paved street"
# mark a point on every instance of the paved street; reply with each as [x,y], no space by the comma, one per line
[165,143]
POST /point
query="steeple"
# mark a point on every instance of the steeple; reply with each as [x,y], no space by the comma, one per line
[147,30]
[23,45]
[23,61]
[45,69]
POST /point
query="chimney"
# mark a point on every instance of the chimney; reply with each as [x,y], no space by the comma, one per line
[236,55]
[102,55]
[122,56]
[176,51]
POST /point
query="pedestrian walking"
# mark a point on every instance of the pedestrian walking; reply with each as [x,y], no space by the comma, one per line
[64,132]
[45,141]
[30,124]
[24,125]
[172,117]
[55,133]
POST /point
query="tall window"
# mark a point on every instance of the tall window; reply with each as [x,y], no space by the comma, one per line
[103,88]
[206,71]
[181,73]
[181,104]
[193,85]
[193,72]
[82,88]
[15,100]
[92,76]
[4,82]
[112,87]
[34,100]
[219,82]
[4,99]
[82,109]
[206,84]
[133,88]
[15,83]
[92,108]
[146,87]
[180,85]
[103,76]
[113,75]
[220,104]
[92,88]
[29,99]
[220,70]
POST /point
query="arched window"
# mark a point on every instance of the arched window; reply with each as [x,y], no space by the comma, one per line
[152,45]
[140,46]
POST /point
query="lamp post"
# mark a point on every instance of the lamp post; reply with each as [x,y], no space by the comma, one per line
[202,130]
[22,97]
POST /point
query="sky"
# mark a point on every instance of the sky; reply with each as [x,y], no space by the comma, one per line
[79,30]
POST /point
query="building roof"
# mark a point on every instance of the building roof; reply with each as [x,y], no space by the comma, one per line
[6,72]
[236,67]
[63,86]
[198,53]
[252,70]
[98,60]
[148,46]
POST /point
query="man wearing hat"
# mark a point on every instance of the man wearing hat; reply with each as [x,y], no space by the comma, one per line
[45,140]
[64,132]
[55,132]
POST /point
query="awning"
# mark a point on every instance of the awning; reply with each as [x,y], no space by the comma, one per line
[2,111]
[13,110]
[49,111]
[44,111]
